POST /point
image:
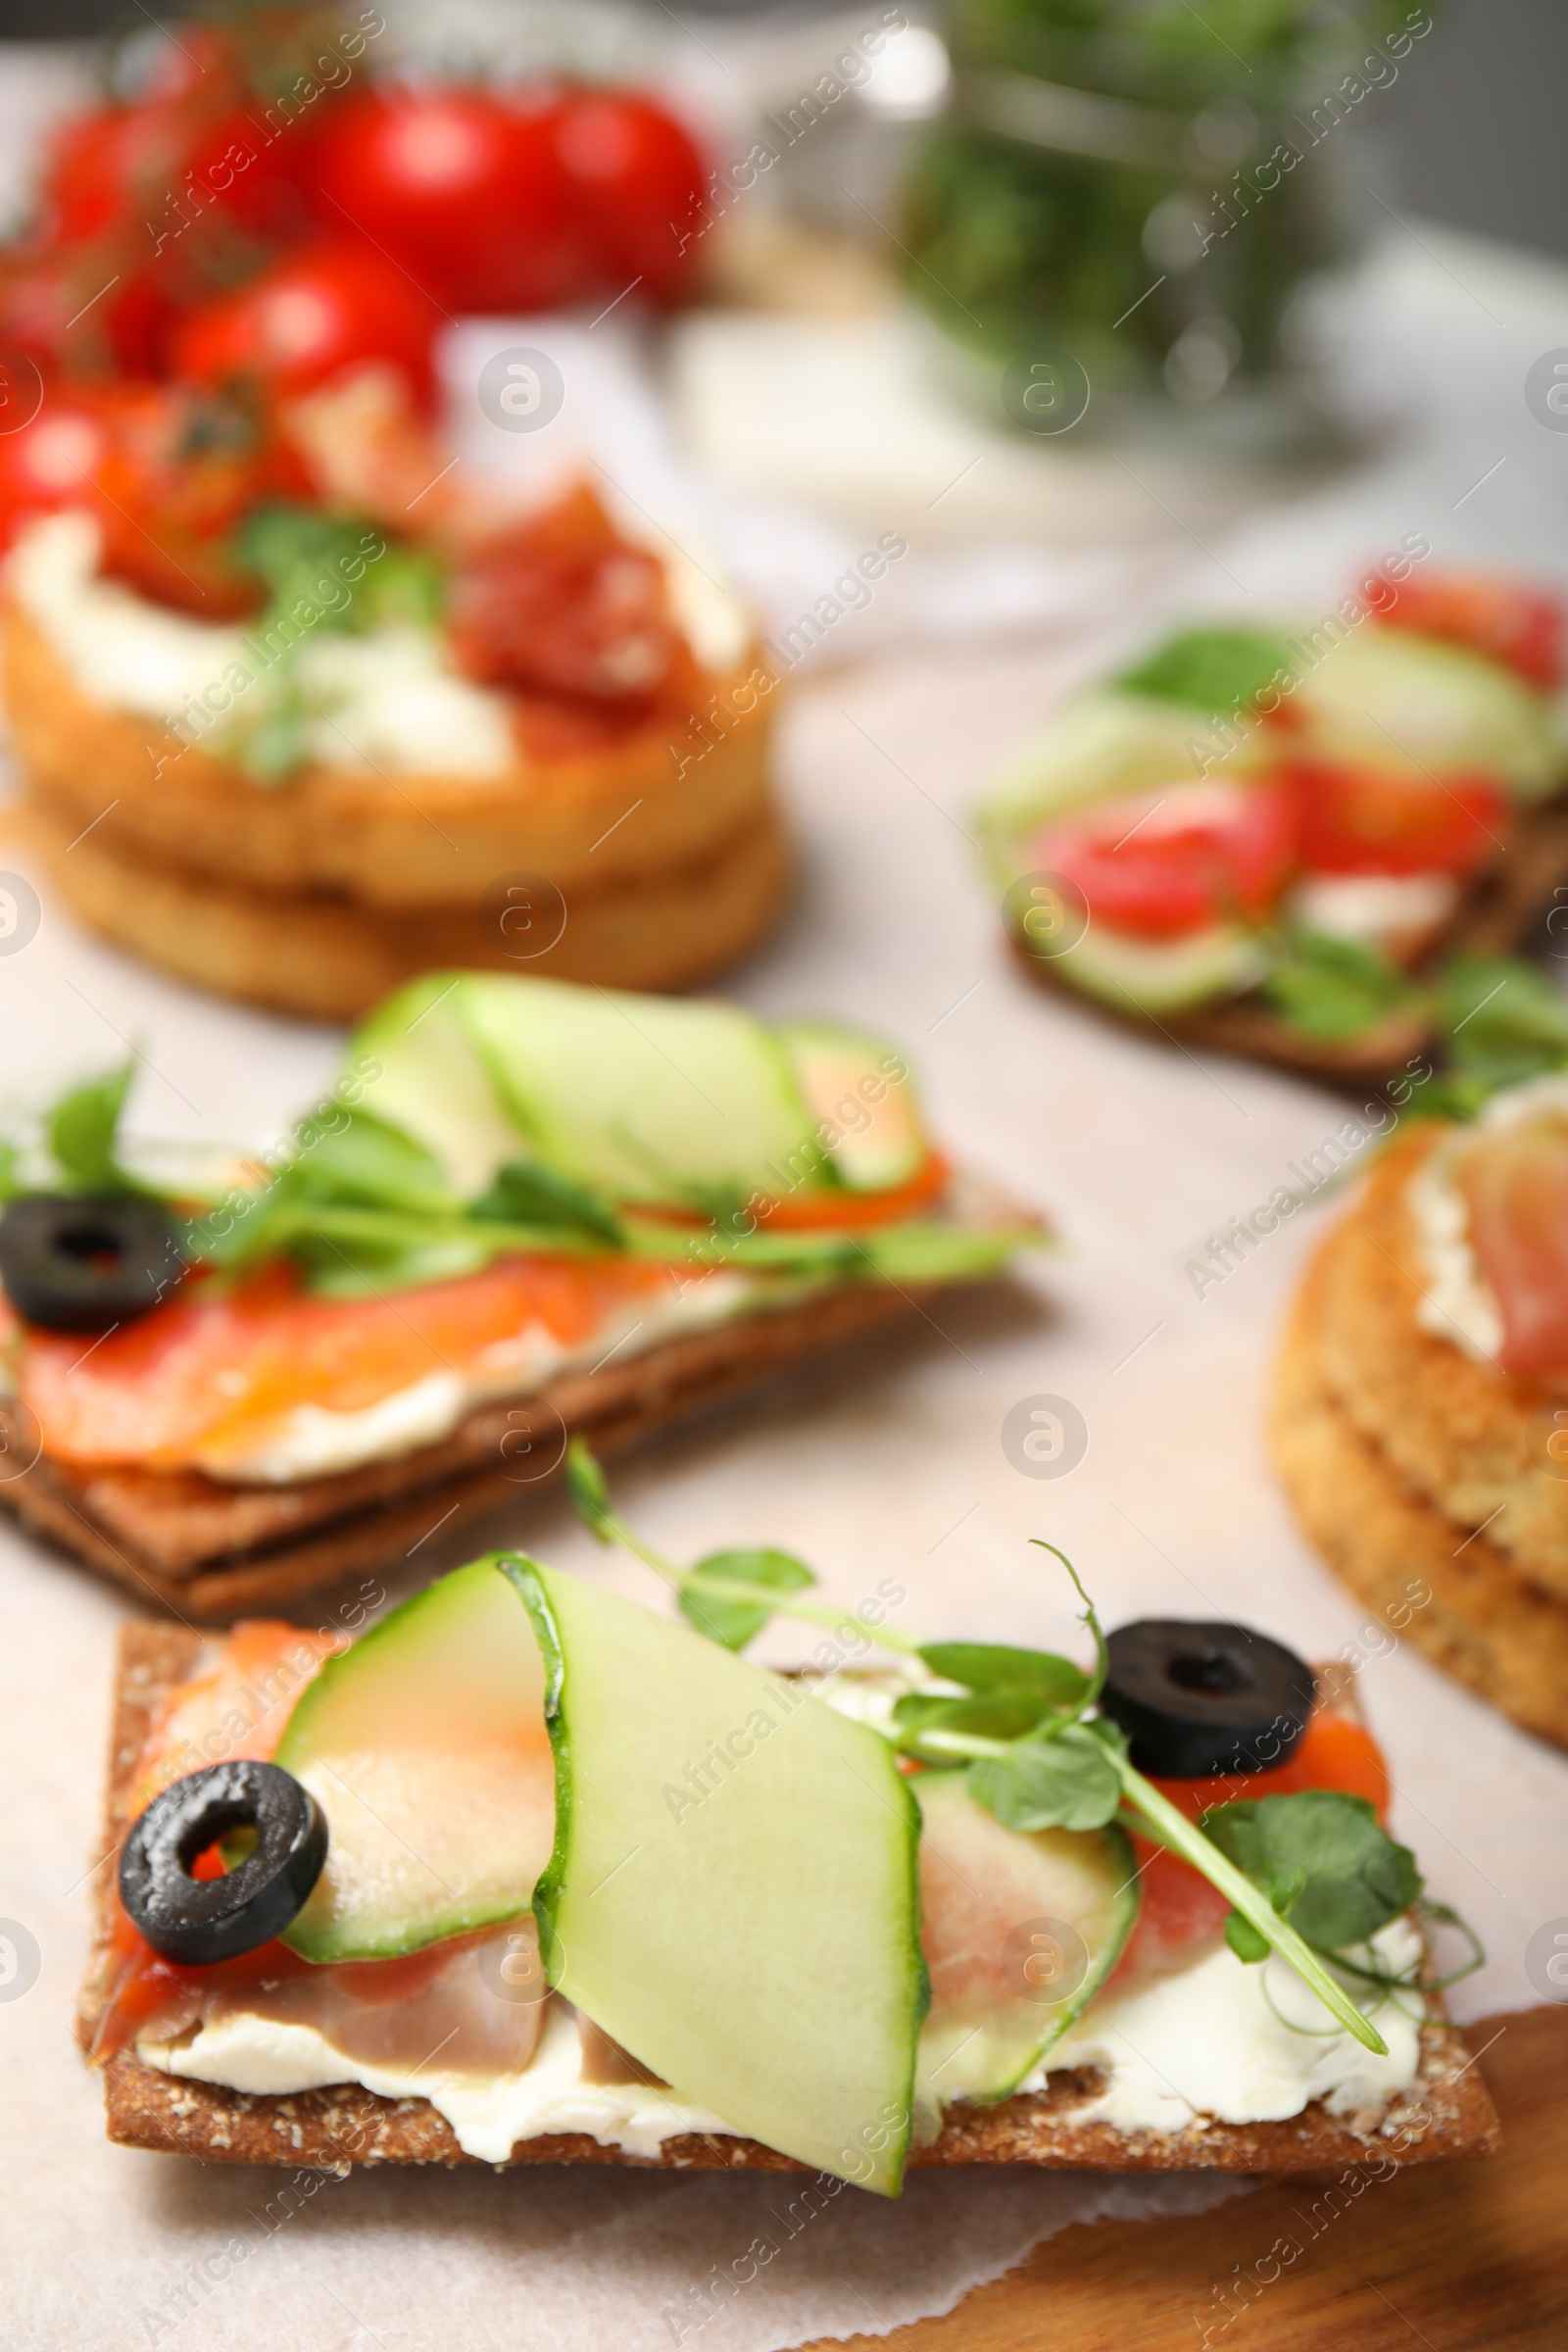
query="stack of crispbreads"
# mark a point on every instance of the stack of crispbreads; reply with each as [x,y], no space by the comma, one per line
[648,866]
[1417,1469]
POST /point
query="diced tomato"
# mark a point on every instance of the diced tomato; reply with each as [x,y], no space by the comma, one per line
[323,309]
[1515,1186]
[563,605]
[1521,628]
[200,1381]
[1386,820]
[1180,1911]
[1163,865]
[169,472]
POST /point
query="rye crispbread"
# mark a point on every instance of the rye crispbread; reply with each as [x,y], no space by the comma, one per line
[1485,1623]
[1448,2112]
[1500,911]
[211,1551]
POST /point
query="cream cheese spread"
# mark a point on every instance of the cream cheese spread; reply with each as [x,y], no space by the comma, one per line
[489,2114]
[1373,907]
[311,1440]
[1234,2043]
[386,700]
[1458,1303]
[1219,2041]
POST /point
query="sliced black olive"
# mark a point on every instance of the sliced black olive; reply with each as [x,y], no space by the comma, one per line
[196,1921]
[1196,1699]
[85,1261]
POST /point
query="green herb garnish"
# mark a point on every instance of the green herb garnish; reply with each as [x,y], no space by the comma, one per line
[1217,672]
[1298,1870]
[1334,989]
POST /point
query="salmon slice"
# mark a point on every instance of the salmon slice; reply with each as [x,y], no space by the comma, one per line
[389,2013]
[1515,1186]
[199,1381]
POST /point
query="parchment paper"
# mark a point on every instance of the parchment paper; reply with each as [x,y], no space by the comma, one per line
[891,1465]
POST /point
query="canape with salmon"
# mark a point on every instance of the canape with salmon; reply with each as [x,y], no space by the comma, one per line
[1421,1415]
[526,1208]
[530,1873]
[1271,839]
[312,715]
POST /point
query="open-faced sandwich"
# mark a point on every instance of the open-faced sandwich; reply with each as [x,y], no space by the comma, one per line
[1269,839]
[530,1873]
[300,714]
[526,1208]
[1421,1414]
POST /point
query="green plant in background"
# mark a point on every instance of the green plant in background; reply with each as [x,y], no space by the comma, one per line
[1143,183]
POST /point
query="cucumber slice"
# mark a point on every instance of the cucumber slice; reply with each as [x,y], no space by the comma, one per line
[1136,976]
[648,1096]
[1395,699]
[431,1082]
[733,1893]
[988,1893]
[843,1078]
[426,1746]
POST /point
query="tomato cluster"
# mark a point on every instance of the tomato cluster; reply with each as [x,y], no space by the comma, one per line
[250,232]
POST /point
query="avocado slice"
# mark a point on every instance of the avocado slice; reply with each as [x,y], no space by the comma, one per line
[426,1746]
[1139,975]
[1392,699]
[733,1893]
[850,1085]
[1010,1916]
[1099,745]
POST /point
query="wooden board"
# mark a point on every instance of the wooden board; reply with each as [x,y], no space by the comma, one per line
[1454,2256]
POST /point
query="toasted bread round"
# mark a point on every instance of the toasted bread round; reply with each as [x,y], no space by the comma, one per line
[666,798]
[1485,1623]
[331,958]
[1460,1432]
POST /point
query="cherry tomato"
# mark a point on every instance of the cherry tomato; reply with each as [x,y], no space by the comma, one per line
[638,182]
[104,166]
[1521,628]
[461,187]
[1385,820]
[1163,865]
[318,311]
[73,311]
[564,606]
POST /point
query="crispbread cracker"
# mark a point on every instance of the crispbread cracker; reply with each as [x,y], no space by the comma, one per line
[1485,1623]
[1499,912]
[212,1550]
[1450,2113]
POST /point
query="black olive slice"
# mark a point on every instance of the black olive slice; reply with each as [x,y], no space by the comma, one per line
[85,1261]
[196,1921]
[1198,1698]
